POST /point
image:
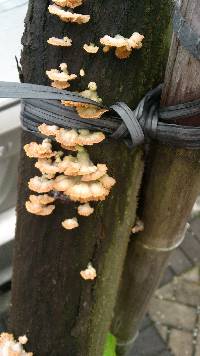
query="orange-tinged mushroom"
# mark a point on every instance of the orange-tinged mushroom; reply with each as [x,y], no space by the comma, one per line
[89,273]
[70,224]
[68,16]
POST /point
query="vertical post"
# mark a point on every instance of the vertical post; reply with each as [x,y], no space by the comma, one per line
[60,313]
[171,186]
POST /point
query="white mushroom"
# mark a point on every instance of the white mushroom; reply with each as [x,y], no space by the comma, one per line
[85,210]
[91,48]
[70,224]
[89,273]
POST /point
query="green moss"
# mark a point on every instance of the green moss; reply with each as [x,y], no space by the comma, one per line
[110,346]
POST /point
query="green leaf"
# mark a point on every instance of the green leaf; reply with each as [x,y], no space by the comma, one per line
[110,346]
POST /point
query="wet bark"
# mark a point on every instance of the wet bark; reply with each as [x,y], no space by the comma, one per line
[170,187]
[60,313]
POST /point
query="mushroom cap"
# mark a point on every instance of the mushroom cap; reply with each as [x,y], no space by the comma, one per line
[57,76]
[41,199]
[107,181]
[37,150]
[101,171]
[47,166]
[62,42]
[62,183]
[89,273]
[48,130]
[41,184]
[67,137]
[67,16]
[91,48]
[39,209]
[85,210]
[70,224]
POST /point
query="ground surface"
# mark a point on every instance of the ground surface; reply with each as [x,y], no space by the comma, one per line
[172,326]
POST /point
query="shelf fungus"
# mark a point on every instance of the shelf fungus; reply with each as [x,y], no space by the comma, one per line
[72,177]
[49,166]
[124,46]
[60,79]
[10,347]
[82,72]
[68,16]
[60,42]
[68,3]
[88,111]
[91,48]
[89,273]
[38,205]
[70,224]
[48,130]
[41,184]
[72,137]
[37,150]
[85,210]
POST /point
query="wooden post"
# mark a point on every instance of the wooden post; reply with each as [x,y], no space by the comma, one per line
[60,313]
[171,185]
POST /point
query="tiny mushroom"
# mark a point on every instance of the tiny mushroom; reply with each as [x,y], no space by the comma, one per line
[10,347]
[60,77]
[138,227]
[91,48]
[68,3]
[48,166]
[70,224]
[82,72]
[89,273]
[85,209]
[68,16]
[60,42]
[124,46]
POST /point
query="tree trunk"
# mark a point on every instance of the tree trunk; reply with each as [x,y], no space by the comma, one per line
[60,313]
[171,185]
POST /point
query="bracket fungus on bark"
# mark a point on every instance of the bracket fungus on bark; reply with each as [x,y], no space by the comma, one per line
[89,273]
[85,209]
[88,111]
[70,224]
[68,3]
[91,48]
[68,16]
[60,79]
[10,347]
[124,46]
[38,204]
[36,150]
[60,42]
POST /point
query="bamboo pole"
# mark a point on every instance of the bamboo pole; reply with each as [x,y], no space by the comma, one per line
[171,185]
[60,313]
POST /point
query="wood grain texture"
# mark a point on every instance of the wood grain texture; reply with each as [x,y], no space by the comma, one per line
[170,187]
[60,313]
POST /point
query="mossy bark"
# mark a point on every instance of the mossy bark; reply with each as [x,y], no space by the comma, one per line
[60,313]
[171,185]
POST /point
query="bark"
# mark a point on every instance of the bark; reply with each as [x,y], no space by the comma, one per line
[171,185]
[60,313]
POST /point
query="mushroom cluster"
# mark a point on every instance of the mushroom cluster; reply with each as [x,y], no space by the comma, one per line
[75,176]
[10,347]
[124,46]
